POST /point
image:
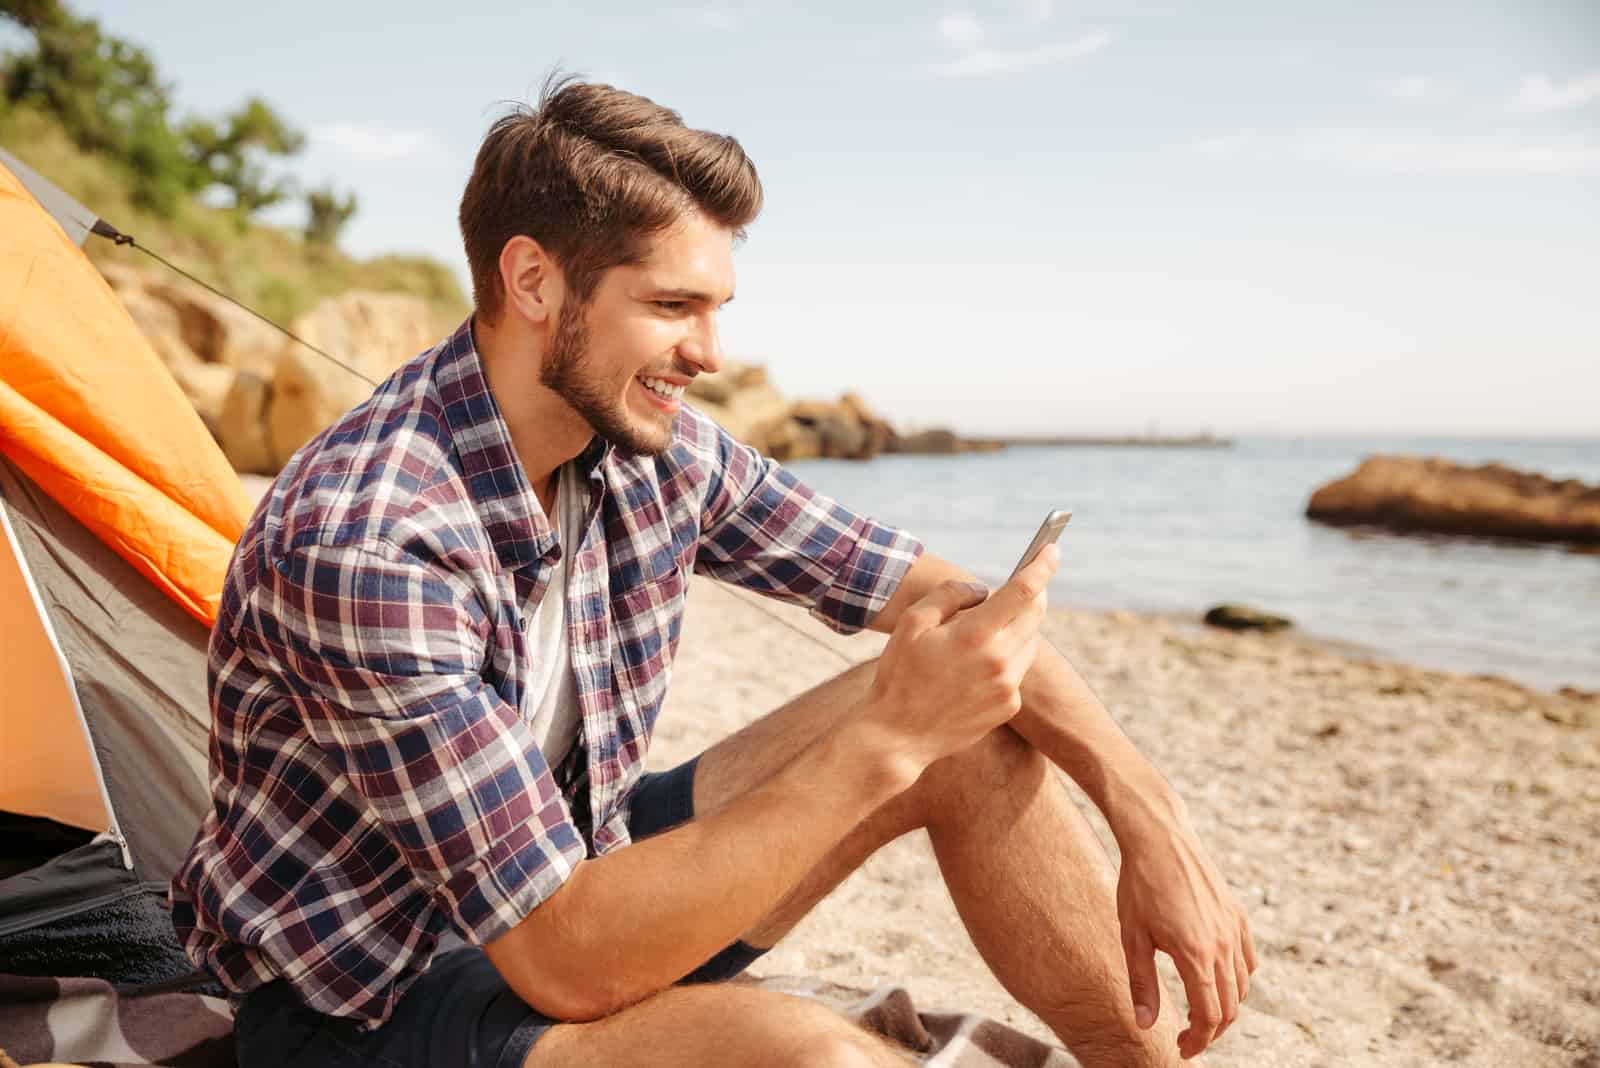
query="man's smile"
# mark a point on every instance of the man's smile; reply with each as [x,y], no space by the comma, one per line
[662,392]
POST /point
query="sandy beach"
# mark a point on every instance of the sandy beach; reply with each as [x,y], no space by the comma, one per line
[1419,851]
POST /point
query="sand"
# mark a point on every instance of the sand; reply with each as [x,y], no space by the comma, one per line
[1419,851]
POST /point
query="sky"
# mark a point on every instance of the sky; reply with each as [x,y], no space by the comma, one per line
[1034,216]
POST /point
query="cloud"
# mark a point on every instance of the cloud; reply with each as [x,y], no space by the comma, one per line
[715,18]
[1412,88]
[1220,146]
[961,29]
[1539,94]
[372,144]
[1035,12]
[1453,156]
[987,61]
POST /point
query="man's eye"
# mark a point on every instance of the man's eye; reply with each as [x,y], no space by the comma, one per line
[670,305]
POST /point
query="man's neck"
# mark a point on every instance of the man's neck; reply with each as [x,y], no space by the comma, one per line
[545,431]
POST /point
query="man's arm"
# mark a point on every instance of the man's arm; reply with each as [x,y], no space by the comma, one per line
[630,923]
[1169,895]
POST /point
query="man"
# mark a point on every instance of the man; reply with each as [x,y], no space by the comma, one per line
[447,631]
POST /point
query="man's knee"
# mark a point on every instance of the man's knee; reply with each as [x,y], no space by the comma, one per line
[828,1040]
[808,1033]
[1000,764]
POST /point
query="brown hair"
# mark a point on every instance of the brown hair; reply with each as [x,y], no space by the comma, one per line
[592,174]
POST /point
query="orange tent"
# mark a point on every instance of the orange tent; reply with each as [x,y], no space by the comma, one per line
[91,414]
[118,515]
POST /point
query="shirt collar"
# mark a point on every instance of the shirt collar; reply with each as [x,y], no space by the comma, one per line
[522,534]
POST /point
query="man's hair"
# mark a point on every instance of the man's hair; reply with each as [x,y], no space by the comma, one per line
[592,174]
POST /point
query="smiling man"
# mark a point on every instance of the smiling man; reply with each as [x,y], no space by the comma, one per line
[448,629]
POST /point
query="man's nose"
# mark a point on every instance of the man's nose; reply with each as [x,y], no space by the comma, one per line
[703,347]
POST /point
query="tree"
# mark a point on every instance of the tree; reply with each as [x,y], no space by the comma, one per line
[326,214]
[234,154]
[109,99]
[104,91]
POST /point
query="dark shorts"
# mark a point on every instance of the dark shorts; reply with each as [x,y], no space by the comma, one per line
[459,1012]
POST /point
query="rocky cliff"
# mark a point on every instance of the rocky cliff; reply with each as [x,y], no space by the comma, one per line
[264,395]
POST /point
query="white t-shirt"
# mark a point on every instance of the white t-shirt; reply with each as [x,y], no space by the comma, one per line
[550,700]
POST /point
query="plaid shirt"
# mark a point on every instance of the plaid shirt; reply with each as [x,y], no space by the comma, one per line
[372,782]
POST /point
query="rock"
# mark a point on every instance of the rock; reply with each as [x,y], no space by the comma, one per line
[791,440]
[242,425]
[742,401]
[159,323]
[935,442]
[218,331]
[372,332]
[724,385]
[840,434]
[207,386]
[941,443]
[1409,494]
[1243,617]
[877,430]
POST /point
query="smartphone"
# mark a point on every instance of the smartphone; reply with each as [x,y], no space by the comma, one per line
[1049,531]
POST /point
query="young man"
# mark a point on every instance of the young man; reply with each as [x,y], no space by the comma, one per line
[447,631]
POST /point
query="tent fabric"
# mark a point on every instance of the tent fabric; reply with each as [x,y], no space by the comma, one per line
[119,518]
[46,767]
[91,414]
[84,878]
[77,220]
[138,663]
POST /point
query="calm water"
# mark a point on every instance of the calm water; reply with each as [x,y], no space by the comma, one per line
[1177,530]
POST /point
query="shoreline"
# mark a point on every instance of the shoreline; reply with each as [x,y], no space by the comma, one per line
[1419,850]
[1192,625]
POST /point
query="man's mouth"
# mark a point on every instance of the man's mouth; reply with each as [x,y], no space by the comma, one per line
[662,388]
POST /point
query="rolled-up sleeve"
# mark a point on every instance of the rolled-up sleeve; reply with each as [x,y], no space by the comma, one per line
[761,528]
[382,654]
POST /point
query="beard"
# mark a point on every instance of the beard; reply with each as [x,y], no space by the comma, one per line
[564,373]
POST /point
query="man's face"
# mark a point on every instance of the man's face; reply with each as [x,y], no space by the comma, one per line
[623,361]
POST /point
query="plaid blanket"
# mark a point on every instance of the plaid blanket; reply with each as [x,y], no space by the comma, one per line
[86,1020]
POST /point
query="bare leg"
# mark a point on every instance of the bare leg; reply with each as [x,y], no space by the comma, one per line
[716,1024]
[1031,882]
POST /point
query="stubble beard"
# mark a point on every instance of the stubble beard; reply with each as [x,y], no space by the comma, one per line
[564,374]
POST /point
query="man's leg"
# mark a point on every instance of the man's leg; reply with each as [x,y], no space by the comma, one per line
[717,1023]
[1030,880]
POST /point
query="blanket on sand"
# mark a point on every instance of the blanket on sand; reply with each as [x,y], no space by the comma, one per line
[86,1021]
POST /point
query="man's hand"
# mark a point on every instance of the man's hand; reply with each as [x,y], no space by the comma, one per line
[1170,897]
[945,680]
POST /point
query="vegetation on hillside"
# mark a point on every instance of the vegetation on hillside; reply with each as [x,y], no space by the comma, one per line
[90,112]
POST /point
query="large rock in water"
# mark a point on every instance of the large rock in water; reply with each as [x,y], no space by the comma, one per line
[1408,493]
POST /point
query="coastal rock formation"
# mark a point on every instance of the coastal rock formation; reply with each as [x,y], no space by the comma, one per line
[742,399]
[264,395]
[745,402]
[1407,494]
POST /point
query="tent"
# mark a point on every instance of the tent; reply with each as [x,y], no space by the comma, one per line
[118,514]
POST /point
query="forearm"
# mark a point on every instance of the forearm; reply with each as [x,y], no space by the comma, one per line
[1062,718]
[636,920]
[1066,722]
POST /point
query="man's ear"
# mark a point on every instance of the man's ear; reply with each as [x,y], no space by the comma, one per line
[531,280]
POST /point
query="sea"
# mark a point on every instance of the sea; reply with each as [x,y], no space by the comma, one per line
[1173,531]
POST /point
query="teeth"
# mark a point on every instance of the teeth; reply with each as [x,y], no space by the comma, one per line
[666,389]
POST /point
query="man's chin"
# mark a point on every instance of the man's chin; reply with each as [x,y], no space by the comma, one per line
[640,437]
